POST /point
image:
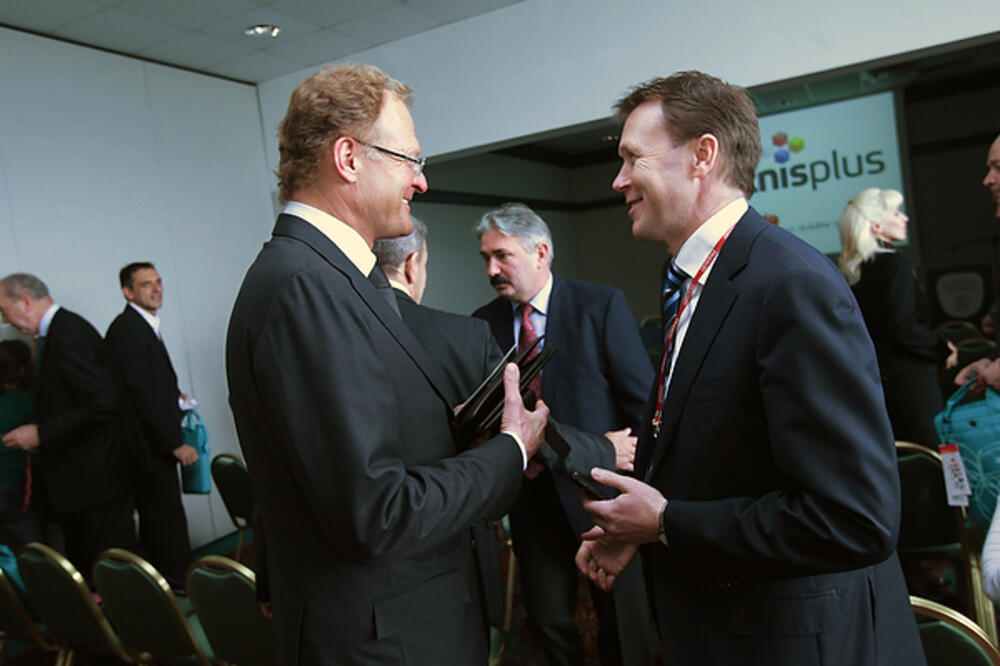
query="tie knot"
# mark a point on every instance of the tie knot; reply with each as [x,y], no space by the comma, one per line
[674,278]
[526,310]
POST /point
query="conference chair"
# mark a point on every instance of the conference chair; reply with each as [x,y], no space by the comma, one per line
[930,528]
[222,592]
[150,621]
[956,331]
[950,638]
[16,622]
[231,477]
[61,598]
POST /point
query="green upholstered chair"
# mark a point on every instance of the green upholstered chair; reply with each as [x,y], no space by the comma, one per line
[231,477]
[61,598]
[956,331]
[950,638]
[929,528]
[16,622]
[150,621]
[221,591]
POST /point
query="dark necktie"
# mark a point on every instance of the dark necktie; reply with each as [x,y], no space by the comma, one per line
[381,282]
[671,299]
[527,336]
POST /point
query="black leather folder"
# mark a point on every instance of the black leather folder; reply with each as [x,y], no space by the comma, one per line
[480,415]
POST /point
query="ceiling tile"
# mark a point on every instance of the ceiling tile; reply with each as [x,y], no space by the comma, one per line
[254,68]
[189,14]
[232,29]
[44,16]
[196,51]
[118,31]
[448,11]
[388,25]
[320,47]
[328,14]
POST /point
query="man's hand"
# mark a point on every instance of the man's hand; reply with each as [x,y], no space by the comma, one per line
[529,426]
[972,370]
[23,437]
[603,561]
[632,517]
[187,454]
[624,442]
[991,375]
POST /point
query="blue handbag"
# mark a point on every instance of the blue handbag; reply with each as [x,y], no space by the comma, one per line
[974,425]
[197,478]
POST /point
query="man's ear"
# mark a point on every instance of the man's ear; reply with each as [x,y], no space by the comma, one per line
[410,267]
[542,250]
[127,293]
[344,158]
[705,154]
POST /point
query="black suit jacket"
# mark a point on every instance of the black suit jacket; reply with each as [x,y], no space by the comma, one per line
[777,459]
[143,366]
[895,312]
[465,352]
[598,377]
[364,502]
[76,411]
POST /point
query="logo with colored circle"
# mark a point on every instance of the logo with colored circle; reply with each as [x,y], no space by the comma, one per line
[785,146]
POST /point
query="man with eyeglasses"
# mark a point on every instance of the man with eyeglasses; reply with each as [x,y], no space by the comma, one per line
[364,501]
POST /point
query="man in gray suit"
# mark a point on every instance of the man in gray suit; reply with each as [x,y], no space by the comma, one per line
[364,500]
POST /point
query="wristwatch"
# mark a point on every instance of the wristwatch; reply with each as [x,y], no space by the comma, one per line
[663,534]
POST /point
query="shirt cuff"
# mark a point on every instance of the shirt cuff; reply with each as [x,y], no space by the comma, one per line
[520,445]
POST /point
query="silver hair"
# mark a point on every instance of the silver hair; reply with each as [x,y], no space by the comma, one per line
[17,284]
[517,220]
[393,252]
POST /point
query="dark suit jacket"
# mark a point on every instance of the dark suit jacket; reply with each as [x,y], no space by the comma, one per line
[778,462]
[462,347]
[465,353]
[597,380]
[143,366]
[895,313]
[364,502]
[76,411]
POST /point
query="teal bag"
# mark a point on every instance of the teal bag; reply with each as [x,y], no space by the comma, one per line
[974,425]
[197,478]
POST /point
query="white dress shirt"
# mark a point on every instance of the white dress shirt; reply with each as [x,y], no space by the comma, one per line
[690,258]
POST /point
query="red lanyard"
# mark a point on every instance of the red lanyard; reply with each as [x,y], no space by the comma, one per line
[660,388]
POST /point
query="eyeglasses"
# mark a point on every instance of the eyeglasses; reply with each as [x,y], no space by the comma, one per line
[417,163]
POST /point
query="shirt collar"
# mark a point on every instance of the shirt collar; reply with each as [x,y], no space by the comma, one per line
[396,284]
[151,319]
[692,254]
[46,320]
[540,302]
[343,236]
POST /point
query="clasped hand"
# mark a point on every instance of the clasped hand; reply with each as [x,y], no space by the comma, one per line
[621,525]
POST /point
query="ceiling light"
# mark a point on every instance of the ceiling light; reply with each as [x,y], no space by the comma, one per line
[262,30]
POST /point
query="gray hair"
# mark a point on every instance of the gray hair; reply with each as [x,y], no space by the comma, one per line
[393,252]
[17,284]
[517,220]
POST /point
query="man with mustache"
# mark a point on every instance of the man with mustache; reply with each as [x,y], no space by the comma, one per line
[596,382]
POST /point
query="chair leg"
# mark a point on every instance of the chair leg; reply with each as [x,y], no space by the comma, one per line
[508,602]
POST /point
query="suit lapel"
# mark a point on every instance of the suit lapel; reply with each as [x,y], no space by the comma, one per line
[713,307]
[294,227]
[555,319]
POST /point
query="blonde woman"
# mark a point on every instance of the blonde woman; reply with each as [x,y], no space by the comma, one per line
[895,311]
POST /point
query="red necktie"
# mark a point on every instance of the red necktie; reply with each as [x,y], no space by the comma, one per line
[525,339]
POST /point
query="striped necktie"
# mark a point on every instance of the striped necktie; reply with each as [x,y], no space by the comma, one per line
[671,297]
